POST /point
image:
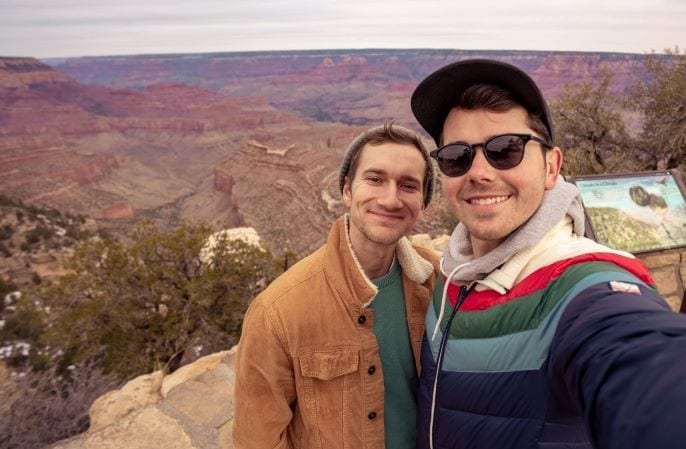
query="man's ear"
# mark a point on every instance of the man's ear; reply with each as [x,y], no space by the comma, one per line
[347,193]
[553,165]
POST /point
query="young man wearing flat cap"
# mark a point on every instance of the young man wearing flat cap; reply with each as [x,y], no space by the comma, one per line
[536,336]
[329,352]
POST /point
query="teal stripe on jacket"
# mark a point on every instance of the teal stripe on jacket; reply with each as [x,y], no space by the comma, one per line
[512,344]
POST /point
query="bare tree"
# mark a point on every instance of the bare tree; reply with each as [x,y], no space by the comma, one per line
[48,407]
[591,129]
[662,101]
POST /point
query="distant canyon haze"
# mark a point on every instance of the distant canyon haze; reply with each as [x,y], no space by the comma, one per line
[234,139]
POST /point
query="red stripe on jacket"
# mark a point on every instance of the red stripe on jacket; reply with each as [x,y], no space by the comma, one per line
[542,277]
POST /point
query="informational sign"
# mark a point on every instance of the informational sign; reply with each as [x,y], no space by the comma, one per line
[634,212]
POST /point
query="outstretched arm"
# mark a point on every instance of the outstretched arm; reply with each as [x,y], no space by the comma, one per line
[265,387]
[620,360]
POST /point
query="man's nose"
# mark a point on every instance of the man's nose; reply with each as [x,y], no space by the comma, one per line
[389,197]
[481,168]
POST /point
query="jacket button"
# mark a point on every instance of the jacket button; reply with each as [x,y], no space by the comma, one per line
[372,369]
[371,415]
[361,319]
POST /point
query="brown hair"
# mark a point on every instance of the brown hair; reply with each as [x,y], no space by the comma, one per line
[492,97]
[382,134]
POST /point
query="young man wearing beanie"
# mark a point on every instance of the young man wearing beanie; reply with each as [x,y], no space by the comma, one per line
[536,336]
[329,352]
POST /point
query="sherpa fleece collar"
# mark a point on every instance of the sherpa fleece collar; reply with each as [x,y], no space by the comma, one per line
[414,266]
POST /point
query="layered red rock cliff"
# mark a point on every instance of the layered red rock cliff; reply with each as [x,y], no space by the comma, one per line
[107,152]
[243,138]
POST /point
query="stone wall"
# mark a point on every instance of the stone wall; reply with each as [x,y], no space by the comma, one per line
[669,271]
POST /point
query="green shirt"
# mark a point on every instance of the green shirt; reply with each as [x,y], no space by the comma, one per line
[397,361]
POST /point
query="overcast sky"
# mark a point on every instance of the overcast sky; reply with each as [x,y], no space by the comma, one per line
[55,28]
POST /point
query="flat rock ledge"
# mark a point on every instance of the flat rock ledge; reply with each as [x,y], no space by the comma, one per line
[191,408]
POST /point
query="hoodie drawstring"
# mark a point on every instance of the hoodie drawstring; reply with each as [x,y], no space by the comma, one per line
[441,312]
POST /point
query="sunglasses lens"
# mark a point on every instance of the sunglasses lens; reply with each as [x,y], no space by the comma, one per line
[505,152]
[454,160]
[502,152]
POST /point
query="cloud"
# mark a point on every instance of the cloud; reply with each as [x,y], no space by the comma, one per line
[78,27]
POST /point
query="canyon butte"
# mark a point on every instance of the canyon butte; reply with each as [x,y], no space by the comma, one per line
[234,139]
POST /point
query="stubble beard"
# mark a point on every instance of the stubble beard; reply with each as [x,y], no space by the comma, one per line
[381,238]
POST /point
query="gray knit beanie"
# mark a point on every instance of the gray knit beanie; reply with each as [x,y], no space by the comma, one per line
[389,132]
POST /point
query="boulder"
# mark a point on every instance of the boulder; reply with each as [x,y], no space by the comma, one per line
[191,408]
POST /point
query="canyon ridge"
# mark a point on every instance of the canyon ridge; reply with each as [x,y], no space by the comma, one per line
[234,139]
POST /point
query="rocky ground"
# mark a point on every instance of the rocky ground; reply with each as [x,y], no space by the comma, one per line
[35,242]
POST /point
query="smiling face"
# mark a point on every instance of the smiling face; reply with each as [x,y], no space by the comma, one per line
[493,203]
[385,196]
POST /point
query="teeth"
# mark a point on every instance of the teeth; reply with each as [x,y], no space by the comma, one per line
[492,200]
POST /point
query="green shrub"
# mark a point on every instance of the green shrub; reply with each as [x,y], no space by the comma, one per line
[5,288]
[4,250]
[6,231]
[151,302]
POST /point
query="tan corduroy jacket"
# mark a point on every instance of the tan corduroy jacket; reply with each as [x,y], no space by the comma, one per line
[308,371]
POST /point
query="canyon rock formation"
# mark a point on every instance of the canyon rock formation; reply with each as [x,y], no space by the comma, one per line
[234,139]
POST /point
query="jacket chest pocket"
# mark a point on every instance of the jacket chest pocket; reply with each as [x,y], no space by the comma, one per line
[327,365]
[330,387]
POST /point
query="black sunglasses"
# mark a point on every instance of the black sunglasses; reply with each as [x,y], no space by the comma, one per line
[502,152]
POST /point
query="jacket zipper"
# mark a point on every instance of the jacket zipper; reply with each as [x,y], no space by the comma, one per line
[464,292]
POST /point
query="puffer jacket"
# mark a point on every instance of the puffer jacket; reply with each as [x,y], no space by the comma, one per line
[308,370]
[550,352]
